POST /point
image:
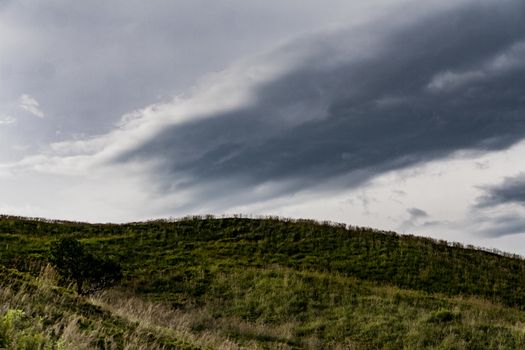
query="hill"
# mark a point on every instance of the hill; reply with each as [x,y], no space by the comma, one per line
[203,282]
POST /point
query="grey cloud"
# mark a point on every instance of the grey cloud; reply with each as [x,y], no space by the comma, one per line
[499,211]
[502,225]
[419,218]
[416,213]
[88,63]
[511,190]
[366,113]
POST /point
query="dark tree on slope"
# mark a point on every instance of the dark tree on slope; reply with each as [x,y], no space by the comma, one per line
[89,273]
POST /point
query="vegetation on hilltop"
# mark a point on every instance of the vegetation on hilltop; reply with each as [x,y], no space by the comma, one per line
[273,283]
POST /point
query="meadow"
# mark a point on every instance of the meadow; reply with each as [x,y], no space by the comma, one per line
[227,283]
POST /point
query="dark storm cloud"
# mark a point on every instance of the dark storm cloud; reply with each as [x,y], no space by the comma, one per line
[511,190]
[444,83]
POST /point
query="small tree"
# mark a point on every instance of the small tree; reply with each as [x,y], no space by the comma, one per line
[88,272]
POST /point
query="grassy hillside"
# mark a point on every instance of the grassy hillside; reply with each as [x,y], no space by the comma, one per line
[36,314]
[227,283]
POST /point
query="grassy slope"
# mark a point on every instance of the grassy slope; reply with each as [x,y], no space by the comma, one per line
[36,314]
[272,283]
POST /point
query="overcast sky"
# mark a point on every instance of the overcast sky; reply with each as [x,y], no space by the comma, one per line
[401,115]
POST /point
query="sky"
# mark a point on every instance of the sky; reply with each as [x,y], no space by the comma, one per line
[400,115]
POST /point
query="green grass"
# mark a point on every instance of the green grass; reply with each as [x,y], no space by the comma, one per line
[268,283]
[36,314]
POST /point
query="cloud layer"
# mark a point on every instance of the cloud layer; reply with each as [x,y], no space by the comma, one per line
[327,112]
[88,63]
[402,95]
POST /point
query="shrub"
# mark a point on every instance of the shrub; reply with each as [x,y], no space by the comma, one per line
[90,273]
[443,316]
